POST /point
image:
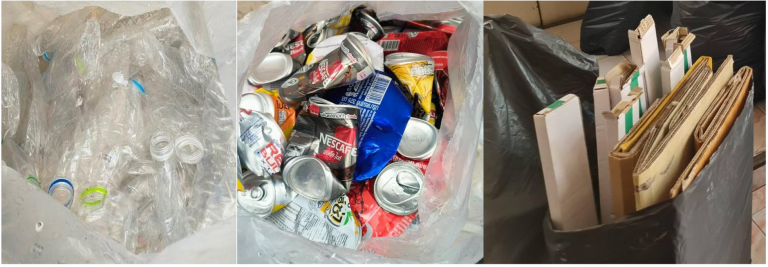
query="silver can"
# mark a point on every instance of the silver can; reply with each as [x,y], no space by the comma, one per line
[263,195]
[274,67]
[348,64]
[62,190]
[260,144]
[256,102]
[311,178]
[397,188]
[419,140]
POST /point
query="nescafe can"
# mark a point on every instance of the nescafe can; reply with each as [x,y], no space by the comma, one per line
[62,190]
[262,196]
[419,140]
[256,102]
[366,22]
[275,66]
[348,64]
[261,144]
[397,188]
[328,132]
[311,178]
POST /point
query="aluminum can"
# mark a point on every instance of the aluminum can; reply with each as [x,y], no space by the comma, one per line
[367,23]
[263,196]
[419,140]
[421,164]
[398,187]
[330,44]
[416,72]
[310,177]
[266,101]
[275,66]
[374,221]
[442,84]
[328,222]
[62,190]
[256,102]
[260,144]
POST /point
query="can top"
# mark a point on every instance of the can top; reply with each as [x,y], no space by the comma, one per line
[274,67]
[419,140]
[397,188]
[405,58]
[310,177]
[258,196]
[258,102]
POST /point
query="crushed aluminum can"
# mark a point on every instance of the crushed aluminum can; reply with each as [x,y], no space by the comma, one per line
[260,144]
[310,177]
[328,222]
[296,49]
[328,132]
[419,140]
[421,164]
[416,72]
[365,21]
[274,67]
[315,33]
[348,64]
[266,101]
[374,221]
[398,187]
[442,84]
[330,44]
[263,196]
[280,46]
[384,113]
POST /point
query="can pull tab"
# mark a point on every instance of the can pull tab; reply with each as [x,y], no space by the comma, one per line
[408,182]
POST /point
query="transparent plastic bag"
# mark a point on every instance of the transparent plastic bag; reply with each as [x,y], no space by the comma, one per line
[101,81]
[443,213]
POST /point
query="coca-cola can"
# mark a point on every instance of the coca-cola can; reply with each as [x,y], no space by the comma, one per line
[348,64]
[260,144]
[397,188]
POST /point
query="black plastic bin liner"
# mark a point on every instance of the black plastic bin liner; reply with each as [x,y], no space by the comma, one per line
[526,70]
[710,222]
[605,25]
[724,28]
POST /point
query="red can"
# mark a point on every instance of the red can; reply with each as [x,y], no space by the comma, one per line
[441,84]
[374,221]
[421,164]
[420,42]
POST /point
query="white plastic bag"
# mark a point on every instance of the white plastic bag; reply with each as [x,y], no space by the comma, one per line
[441,235]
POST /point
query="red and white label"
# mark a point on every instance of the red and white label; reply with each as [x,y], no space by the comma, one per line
[420,164]
[272,157]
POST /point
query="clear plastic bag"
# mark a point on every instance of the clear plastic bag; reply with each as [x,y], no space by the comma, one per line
[441,236]
[97,85]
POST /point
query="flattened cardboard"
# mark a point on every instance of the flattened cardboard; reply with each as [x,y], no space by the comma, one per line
[560,137]
[726,108]
[672,148]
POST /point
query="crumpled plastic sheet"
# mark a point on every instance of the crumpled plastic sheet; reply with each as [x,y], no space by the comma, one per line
[527,69]
[11,108]
[443,213]
[710,222]
[83,119]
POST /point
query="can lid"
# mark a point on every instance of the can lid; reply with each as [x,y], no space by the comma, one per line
[62,190]
[283,193]
[274,67]
[258,102]
[311,178]
[258,196]
[397,188]
[419,140]
[405,57]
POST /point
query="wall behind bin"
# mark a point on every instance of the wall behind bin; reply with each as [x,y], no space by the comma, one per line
[542,14]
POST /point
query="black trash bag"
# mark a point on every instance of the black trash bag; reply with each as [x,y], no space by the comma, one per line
[605,25]
[710,222]
[526,70]
[724,28]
